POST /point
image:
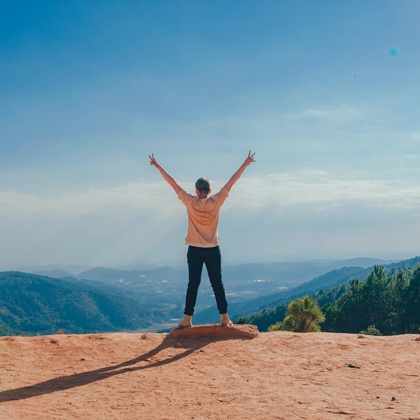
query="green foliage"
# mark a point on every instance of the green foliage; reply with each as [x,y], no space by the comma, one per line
[32,304]
[274,306]
[276,327]
[303,315]
[371,330]
[266,317]
[386,297]
[389,302]
[412,298]
[6,331]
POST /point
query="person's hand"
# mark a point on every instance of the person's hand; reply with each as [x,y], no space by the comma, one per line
[153,161]
[250,159]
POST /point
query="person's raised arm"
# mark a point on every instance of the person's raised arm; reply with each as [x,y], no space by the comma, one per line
[250,159]
[165,175]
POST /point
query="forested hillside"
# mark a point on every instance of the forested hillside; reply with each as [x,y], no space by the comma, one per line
[33,304]
[386,301]
[269,303]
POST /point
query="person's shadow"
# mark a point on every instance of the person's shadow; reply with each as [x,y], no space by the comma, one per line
[79,379]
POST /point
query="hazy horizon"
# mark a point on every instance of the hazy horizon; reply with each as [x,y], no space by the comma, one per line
[76,269]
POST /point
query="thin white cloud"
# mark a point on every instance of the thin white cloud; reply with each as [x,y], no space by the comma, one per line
[279,189]
[337,115]
[130,197]
[319,188]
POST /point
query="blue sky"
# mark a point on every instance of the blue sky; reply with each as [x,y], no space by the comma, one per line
[326,93]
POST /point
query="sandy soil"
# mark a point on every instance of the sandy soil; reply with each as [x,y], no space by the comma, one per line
[278,375]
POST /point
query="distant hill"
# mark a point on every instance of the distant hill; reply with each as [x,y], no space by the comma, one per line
[328,280]
[33,304]
[167,285]
[111,275]
[91,300]
[57,274]
[325,288]
[71,269]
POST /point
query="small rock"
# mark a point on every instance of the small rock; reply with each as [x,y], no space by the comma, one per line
[350,365]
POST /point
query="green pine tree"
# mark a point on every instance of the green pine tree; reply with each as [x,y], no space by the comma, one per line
[303,315]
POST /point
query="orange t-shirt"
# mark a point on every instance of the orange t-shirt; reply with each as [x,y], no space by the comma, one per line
[203,218]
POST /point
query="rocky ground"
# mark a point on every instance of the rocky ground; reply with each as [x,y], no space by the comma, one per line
[277,375]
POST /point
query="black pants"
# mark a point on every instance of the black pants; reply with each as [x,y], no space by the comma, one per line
[211,257]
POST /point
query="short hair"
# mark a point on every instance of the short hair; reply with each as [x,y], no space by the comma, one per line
[203,184]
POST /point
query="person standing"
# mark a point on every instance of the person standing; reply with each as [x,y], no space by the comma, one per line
[203,238]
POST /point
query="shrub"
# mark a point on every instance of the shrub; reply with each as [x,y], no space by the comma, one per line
[371,330]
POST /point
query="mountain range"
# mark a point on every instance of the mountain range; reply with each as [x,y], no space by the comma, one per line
[103,299]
